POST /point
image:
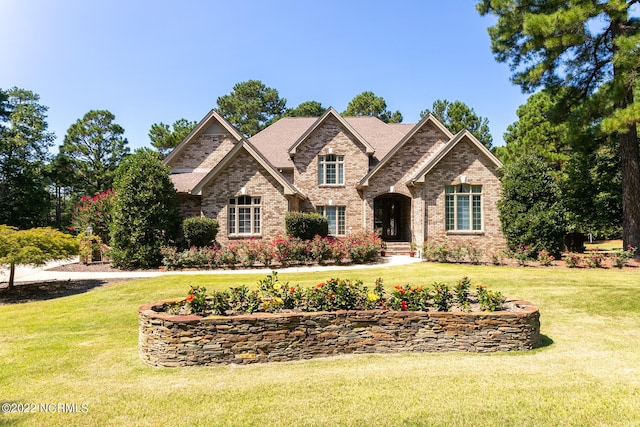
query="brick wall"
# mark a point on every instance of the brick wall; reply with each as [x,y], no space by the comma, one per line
[245,171]
[463,160]
[399,170]
[203,152]
[331,135]
[188,205]
[167,340]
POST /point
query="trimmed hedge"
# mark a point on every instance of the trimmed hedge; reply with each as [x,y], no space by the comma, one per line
[306,226]
[200,231]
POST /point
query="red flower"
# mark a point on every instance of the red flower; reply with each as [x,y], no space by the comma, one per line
[190,298]
[403,305]
[292,290]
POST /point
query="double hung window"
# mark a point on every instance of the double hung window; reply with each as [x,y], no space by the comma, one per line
[330,170]
[335,217]
[244,215]
[463,207]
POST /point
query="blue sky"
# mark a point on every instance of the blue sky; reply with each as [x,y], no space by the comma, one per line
[158,61]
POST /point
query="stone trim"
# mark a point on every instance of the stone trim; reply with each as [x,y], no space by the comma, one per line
[171,340]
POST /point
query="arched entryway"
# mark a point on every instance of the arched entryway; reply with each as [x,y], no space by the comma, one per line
[392,217]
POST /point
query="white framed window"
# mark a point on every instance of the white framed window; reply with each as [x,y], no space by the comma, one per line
[330,170]
[244,215]
[335,217]
[463,207]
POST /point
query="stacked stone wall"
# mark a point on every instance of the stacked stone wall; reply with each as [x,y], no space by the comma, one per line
[170,340]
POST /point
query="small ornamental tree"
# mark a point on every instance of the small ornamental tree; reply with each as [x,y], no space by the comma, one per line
[35,246]
[531,215]
[144,213]
[94,211]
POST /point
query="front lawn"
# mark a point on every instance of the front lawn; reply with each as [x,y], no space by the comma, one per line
[82,349]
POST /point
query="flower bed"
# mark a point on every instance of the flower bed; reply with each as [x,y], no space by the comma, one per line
[441,322]
[356,248]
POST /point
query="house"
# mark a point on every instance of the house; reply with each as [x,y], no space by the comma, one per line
[408,183]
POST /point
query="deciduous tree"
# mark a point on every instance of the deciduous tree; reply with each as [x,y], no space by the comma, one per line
[537,132]
[144,214]
[590,50]
[531,214]
[35,246]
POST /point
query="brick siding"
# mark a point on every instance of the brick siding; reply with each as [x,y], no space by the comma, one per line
[203,152]
[424,209]
[245,171]
[331,135]
[464,160]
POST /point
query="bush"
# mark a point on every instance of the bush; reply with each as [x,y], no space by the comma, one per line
[89,246]
[282,250]
[200,231]
[363,247]
[621,258]
[334,294]
[144,216]
[95,212]
[306,226]
[530,210]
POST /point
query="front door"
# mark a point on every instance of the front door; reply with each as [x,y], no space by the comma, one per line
[387,218]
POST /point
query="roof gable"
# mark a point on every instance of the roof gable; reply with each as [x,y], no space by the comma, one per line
[463,135]
[245,145]
[331,112]
[213,122]
[428,119]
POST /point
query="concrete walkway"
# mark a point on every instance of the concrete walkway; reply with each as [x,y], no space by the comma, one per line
[44,274]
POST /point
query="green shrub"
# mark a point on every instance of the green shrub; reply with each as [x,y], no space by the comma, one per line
[200,231]
[144,216]
[489,300]
[363,247]
[306,226]
[334,294]
[531,214]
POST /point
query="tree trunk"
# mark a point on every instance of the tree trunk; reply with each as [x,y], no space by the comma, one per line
[629,155]
[12,275]
[630,166]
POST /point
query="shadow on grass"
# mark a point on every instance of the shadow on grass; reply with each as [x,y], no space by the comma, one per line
[39,291]
[545,341]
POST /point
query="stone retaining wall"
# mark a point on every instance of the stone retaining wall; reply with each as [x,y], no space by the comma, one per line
[170,340]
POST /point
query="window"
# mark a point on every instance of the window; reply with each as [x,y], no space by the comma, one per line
[330,170]
[463,207]
[244,215]
[335,217]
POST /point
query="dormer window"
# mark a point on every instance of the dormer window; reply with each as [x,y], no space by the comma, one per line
[331,170]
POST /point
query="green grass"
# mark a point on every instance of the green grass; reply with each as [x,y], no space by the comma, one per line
[607,245]
[83,349]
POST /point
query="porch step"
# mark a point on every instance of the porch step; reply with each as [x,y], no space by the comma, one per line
[397,248]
